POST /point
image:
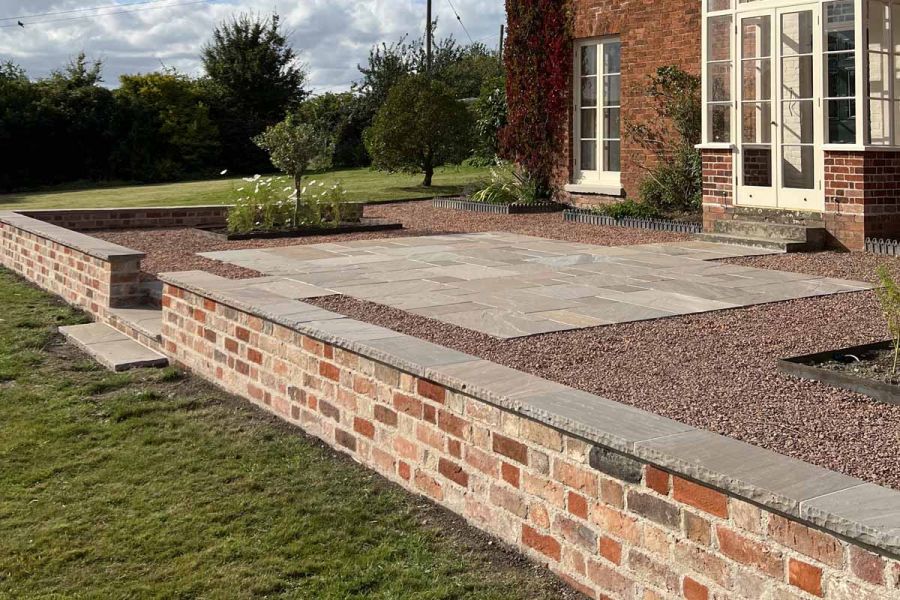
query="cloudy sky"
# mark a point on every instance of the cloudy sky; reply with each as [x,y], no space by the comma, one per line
[330,36]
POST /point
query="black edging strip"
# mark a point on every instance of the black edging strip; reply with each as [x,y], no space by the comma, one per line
[499,209]
[589,218]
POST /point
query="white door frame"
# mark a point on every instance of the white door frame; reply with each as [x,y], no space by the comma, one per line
[778,195]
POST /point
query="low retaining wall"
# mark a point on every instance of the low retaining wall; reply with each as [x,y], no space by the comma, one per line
[89,273]
[95,219]
[621,503]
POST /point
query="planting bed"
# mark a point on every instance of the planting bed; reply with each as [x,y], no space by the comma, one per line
[867,369]
[362,226]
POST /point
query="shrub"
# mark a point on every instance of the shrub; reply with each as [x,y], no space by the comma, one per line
[264,204]
[673,179]
[261,205]
[420,127]
[889,298]
[507,186]
[627,209]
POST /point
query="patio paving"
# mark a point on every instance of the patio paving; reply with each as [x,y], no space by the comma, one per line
[509,286]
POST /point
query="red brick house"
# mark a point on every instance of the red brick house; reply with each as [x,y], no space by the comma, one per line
[801,107]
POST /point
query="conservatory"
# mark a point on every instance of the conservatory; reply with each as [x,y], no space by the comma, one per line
[801,112]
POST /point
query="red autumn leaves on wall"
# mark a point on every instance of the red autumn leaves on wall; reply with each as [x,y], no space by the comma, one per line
[538,65]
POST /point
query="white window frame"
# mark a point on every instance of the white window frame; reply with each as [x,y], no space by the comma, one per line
[608,181]
[863,119]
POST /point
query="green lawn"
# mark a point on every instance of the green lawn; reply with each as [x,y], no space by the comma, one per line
[156,485]
[361,184]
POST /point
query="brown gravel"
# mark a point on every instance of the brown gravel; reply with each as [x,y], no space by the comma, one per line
[176,249]
[859,266]
[714,371]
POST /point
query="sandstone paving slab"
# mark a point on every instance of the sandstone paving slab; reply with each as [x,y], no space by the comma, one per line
[112,348]
[503,324]
[511,285]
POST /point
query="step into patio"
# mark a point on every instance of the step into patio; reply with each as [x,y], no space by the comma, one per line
[142,323]
[806,236]
[112,348]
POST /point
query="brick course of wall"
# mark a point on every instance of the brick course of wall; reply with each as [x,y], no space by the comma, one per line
[611,526]
[95,219]
[653,35]
[718,187]
[92,281]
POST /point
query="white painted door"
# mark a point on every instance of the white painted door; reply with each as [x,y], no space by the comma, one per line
[780,159]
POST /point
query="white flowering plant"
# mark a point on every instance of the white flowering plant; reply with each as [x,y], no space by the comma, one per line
[264,204]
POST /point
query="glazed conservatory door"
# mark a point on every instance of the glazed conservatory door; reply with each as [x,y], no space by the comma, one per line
[780,161]
[799,118]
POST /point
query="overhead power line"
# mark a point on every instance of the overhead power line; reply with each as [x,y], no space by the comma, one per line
[105,14]
[461,24]
[76,10]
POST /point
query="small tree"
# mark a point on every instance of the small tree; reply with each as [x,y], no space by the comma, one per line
[674,172]
[420,127]
[296,147]
[889,298]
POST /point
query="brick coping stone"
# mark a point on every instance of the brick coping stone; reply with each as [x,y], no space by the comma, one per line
[91,246]
[850,508]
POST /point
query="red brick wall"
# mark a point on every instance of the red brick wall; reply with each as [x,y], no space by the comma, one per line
[718,187]
[88,282]
[94,219]
[862,196]
[654,34]
[628,532]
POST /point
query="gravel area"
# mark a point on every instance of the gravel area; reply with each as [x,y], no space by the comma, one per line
[714,371]
[857,266]
[176,249]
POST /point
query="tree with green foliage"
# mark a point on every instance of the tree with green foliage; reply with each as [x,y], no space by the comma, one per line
[295,147]
[340,114]
[490,118]
[74,117]
[165,129]
[254,80]
[421,126]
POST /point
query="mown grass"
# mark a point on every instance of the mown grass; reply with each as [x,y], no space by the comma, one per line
[155,485]
[363,185]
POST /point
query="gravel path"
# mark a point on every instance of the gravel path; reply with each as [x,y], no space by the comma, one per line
[714,371]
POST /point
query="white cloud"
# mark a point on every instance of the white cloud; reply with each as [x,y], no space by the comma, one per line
[330,36]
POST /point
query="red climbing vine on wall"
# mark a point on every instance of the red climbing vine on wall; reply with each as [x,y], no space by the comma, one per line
[538,65]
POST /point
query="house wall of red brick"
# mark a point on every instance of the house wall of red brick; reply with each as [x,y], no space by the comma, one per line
[653,34]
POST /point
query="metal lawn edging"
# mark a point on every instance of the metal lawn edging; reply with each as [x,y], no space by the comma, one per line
[883,247]
[589,218]
[806,367]
[499,209]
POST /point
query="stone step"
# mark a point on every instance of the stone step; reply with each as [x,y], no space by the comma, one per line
[741,240]
[112,348]
[777,215]
[774,231]
[144,319]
